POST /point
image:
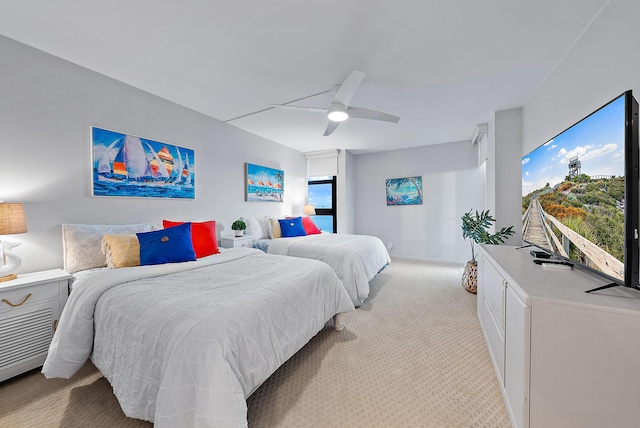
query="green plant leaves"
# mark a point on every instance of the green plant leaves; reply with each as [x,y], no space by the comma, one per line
[475,226]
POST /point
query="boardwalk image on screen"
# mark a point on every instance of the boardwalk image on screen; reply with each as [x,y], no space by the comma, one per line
[573,192]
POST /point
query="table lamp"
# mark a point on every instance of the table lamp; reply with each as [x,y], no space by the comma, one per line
[12,221]
[309,210]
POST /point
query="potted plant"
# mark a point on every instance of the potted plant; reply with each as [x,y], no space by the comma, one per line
[238,226]
[476,228]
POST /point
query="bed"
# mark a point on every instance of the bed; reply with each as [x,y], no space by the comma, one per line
[356,259]
[184,344]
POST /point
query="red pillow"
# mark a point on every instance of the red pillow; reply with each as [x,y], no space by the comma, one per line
[203,236]
[309,226]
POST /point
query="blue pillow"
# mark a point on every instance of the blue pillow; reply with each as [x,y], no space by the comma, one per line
[170,245]
[292,227]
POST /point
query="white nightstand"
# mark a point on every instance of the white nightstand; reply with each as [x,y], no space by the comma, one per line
[236,242]
[30,308]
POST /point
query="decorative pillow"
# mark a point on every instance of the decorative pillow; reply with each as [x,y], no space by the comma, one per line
[203,236]
[265,227]
[275,228]
[82,243]
[292,227]
[258,228]
[253,227]
[121,250]
[309,226]
[170,245]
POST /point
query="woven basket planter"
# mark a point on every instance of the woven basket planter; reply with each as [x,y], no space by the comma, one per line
[470,277]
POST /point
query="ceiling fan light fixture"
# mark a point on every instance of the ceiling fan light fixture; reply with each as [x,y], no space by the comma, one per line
[338,114]
[339,110]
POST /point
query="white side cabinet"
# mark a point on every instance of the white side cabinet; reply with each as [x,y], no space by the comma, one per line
[236,242]
[491,288]
[30,308]
[563,357]
[517,353]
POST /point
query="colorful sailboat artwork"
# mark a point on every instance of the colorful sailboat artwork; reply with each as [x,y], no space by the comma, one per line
[126,165]
[264,184]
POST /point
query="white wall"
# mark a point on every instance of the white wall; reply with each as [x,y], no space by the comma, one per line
[506,143]
[601,65]
[346,189]
[46,109]
[452,184]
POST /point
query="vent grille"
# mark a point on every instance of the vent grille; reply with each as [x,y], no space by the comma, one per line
[25,336]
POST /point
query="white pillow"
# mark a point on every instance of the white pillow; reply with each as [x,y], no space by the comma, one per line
[253,227]
[265,227]
[82,243]
[257,228]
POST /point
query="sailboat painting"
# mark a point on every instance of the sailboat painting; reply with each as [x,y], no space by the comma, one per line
[126,165]
[264,184]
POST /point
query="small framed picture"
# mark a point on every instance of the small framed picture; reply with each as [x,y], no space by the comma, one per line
[404,191]
[264,184]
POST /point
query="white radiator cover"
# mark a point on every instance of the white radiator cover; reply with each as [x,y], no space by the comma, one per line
[25,335]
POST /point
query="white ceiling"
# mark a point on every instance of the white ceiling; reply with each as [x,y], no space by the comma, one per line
[442,66]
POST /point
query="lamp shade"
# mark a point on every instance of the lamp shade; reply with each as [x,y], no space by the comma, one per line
[12,219]
[309,209]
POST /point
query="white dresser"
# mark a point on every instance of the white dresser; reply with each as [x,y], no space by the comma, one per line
[563,357]
[30,307]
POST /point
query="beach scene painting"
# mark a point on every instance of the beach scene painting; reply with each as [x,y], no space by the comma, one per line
[264,184]
[126,165]
[404,191]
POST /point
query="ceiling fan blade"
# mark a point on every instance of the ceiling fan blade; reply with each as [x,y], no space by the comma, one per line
[363,113]
[301,108]
[348,87]
[330,128]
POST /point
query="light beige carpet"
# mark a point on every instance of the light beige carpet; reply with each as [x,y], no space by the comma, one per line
[412,356]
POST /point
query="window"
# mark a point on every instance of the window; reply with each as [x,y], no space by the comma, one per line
[322,195]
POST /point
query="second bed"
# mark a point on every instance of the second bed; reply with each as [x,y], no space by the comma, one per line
[356,259]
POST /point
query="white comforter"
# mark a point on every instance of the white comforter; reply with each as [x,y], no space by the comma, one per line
[184,344]
[355,258]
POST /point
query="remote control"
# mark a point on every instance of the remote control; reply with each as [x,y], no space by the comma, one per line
[554,266]
[552,262]
[540,254]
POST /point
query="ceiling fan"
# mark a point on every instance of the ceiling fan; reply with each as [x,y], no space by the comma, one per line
[340,110]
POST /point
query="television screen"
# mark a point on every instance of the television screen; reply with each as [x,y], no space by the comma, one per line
[578,200]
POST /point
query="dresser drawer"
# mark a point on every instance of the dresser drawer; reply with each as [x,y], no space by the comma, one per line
[494,336]
[24,296]
[236,242]
[493,293]
[244,243]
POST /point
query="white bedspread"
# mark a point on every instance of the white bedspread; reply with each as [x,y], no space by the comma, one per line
[355,258]
[184,344]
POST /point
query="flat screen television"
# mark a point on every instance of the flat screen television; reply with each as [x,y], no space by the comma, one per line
[580,193]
